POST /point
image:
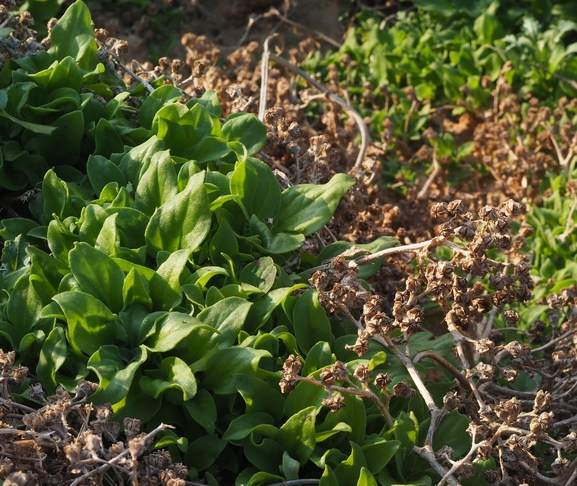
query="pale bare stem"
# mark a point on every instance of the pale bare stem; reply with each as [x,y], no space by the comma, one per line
[436,241]
[7,20]
[426,453]
[409,115]
[455,467]
[436,418]
[489,326]
[264,78]
[408,364]
[432,176]
[11,404]
[348,108]
[146,84]
[251,22]
[563,423]
[509,392]
[568,392]
[553,341]
[458,338]
[147,438]
[391,251]
[384,409]
[286,20]
[562,160]
[445,364]
[464,251]
[538,475]
[572,478]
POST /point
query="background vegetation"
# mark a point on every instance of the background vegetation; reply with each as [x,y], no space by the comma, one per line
[179,274]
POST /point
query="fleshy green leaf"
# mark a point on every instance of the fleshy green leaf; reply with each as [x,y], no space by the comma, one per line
[202,452]
[52,357]
[182,222]
[297,434]
[257,189]
[165,94]
[98,274]
[90,322]
[310,321]
[259,396]
[306,208]
[175,374]
[157,185]
[378,452]
[170,330]
[102,171]
[33,127]
[114,374]
[349,471]
[247,129]
[202,409]
[73,36]
[328,478]
[222,321]
[366,478]
[260,274]
[243,426]
[24,305]
[222,366]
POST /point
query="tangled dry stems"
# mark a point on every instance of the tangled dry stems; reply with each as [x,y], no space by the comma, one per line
[72,441]
[503,428]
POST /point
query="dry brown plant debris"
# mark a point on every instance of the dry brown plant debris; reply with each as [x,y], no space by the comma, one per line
[22,41]
[71,441]
[505,424]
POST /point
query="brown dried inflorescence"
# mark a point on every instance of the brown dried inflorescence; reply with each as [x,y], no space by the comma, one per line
[472,289]
[74,441]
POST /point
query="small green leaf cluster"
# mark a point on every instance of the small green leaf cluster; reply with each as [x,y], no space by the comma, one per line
[554,242]
[60,106]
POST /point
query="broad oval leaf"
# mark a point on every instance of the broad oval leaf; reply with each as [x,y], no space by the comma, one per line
[247,129]
[73,36]
[182,222]
[310,321]
[170,330]
[52,357]
[176,374]
[90,322]
[114,374]
[297,434]
[222,366]
[306,208]
[157,185]
[98,274]
[257,189]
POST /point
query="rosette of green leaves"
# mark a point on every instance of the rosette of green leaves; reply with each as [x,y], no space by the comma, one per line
[61,105]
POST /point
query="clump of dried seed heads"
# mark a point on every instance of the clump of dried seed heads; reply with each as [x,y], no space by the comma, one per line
[472,288]
[71,441]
